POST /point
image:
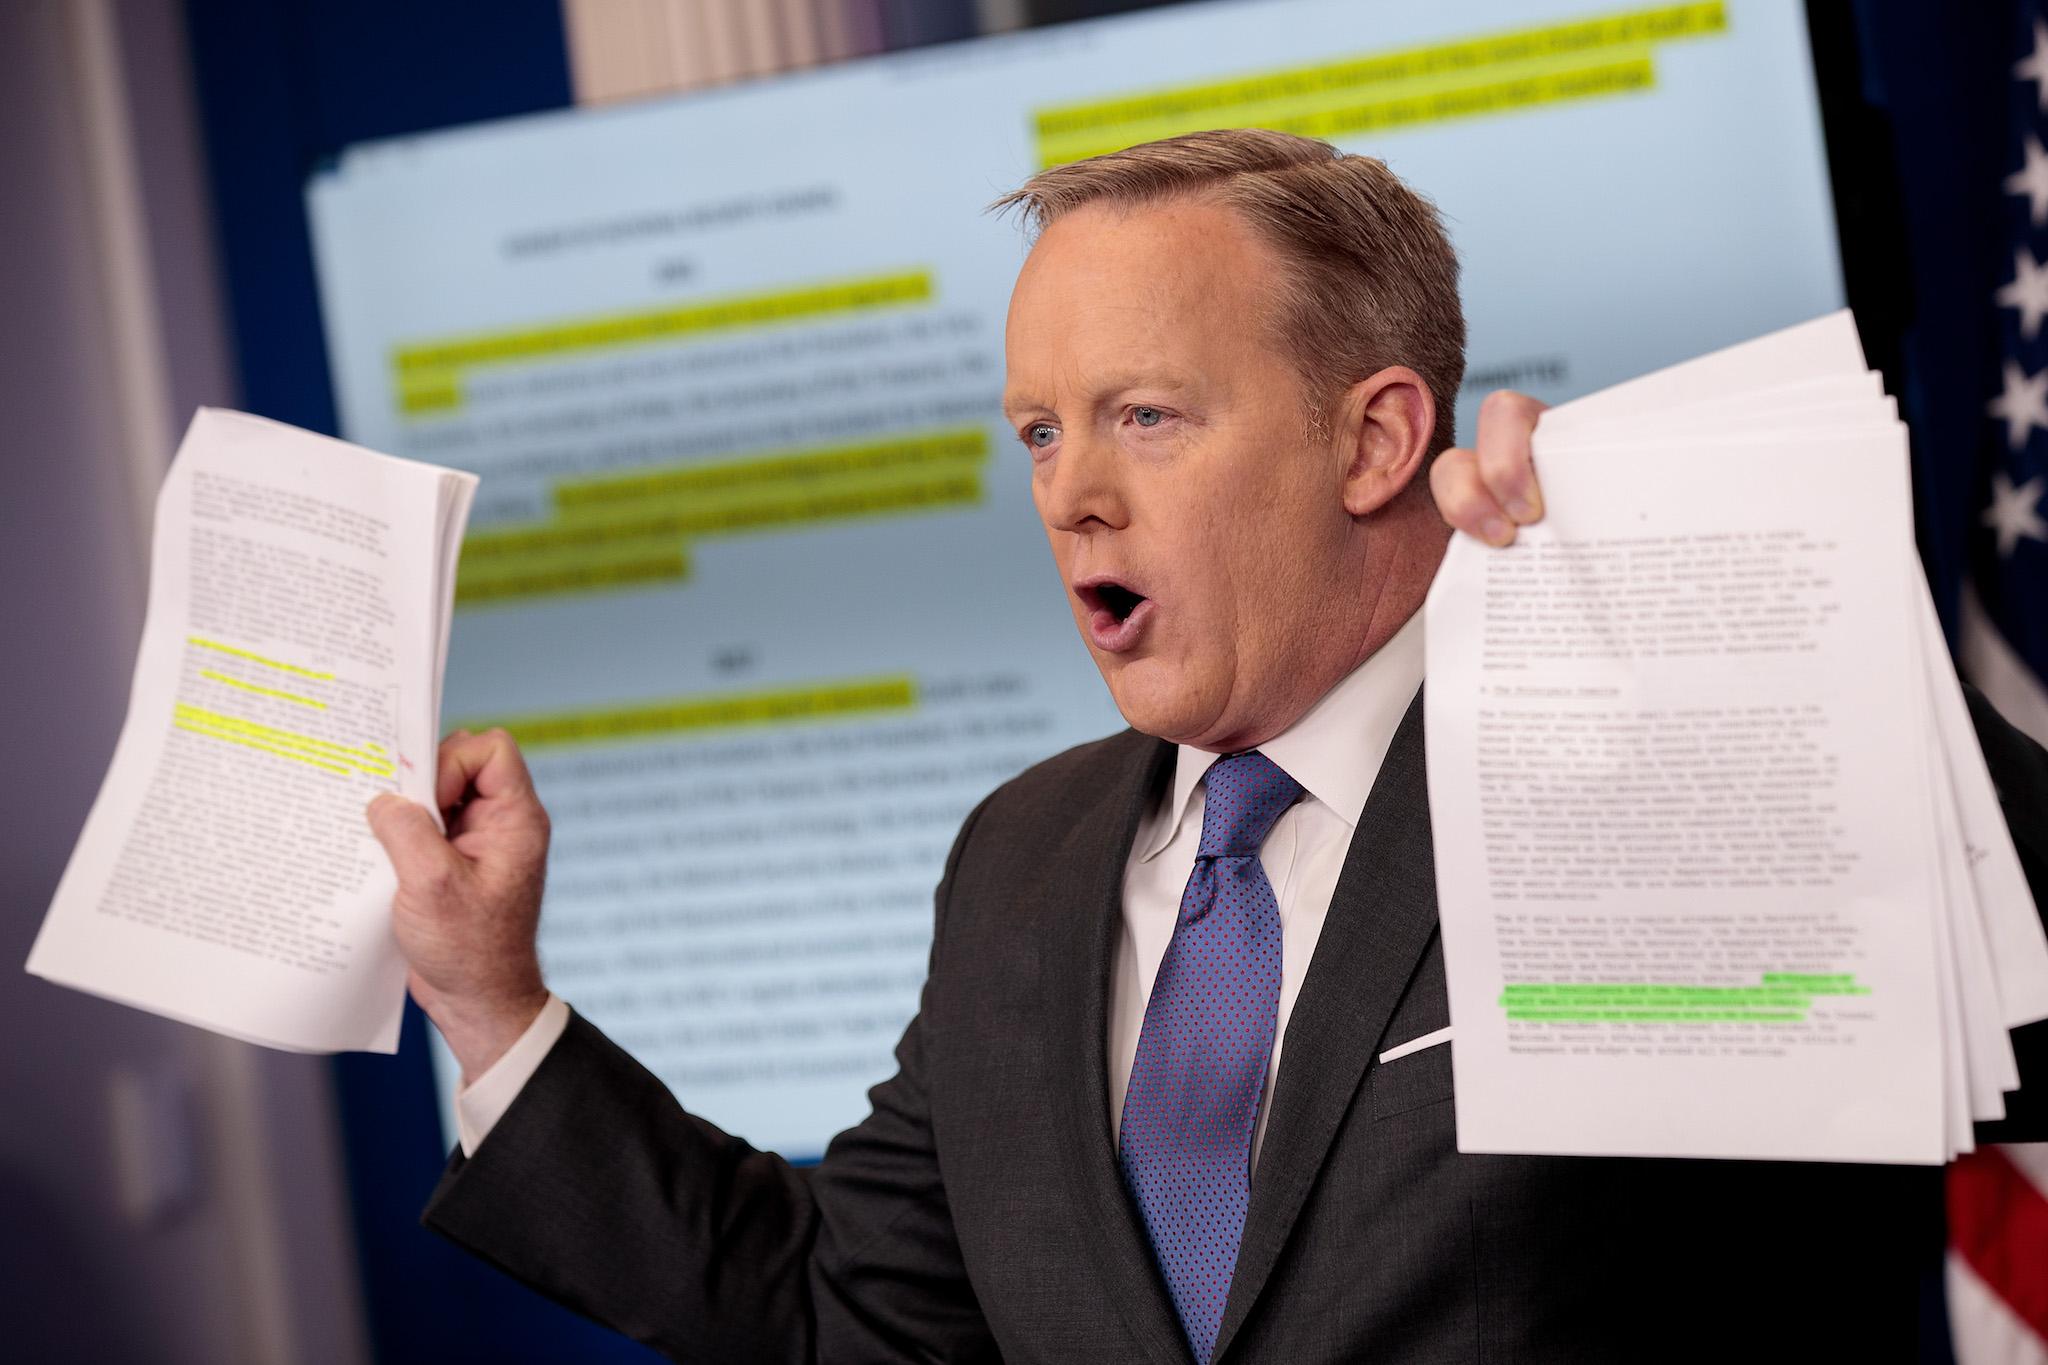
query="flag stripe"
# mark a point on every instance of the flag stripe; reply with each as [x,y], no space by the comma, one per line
[2032,1160]
[1986,1331]
[1998,1223]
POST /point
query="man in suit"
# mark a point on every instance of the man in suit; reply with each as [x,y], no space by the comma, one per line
[1169,1095]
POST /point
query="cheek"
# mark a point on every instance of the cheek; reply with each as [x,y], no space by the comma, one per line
[1279,556]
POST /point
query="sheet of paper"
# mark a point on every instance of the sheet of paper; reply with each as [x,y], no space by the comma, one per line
[1825,350]
[289,670]
[1665,938]
[1720,865]
[2011,923]
[1800,397]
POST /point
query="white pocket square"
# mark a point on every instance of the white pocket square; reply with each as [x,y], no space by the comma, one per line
[1427,1040]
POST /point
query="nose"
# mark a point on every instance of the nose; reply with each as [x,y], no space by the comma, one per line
[1081,492]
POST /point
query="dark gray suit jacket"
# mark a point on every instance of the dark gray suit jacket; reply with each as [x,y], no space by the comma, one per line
[977,1214]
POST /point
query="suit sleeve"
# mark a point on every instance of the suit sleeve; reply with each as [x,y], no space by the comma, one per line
[2019,769]
[597,1189]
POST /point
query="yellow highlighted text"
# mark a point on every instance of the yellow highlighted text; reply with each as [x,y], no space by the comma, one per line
[261,690]
[595,568]
[428,374]
[321,753]
[679,716]
[253,658]
[1496,73]
[250,742]
[633,529]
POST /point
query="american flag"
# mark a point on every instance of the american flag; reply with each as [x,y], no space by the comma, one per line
[1998,1196]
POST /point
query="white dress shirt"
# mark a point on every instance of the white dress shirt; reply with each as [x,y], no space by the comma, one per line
[480,1104]
[1334,751]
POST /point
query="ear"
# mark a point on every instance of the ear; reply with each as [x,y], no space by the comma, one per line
[1381,432]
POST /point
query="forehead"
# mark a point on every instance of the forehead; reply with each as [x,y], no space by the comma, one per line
[1185,284]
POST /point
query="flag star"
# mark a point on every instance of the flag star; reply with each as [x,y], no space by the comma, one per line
[2034,66]
[2032,181]
[2028,292]
[2015,512]
[2023,405]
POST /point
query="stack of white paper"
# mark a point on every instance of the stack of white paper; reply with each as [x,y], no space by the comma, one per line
[290,670]
[1720,868]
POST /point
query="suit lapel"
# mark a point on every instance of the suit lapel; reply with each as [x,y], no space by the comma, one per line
[1086,887]
[1381,919]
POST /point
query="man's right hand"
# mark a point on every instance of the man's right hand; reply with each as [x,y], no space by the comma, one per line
[1489,490]
[468,903]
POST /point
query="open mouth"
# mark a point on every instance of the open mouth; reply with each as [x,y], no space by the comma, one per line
[1111,597]
[1118,600]
[1117,612]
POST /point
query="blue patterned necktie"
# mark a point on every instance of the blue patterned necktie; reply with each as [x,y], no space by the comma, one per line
[1193,1103]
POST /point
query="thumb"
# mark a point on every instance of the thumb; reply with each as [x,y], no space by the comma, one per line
[415,845]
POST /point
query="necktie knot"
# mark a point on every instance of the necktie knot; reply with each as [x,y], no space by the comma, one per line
[1244,794]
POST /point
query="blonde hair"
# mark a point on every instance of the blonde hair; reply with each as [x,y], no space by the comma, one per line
[1369,276]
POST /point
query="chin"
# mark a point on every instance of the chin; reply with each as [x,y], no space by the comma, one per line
[1158,700]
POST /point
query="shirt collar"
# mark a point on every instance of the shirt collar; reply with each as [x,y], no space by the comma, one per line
[1334,751]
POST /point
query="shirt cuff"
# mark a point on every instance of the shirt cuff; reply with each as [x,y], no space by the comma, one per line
[480,1104]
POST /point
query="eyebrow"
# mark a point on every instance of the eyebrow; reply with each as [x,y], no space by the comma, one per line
[1166,381]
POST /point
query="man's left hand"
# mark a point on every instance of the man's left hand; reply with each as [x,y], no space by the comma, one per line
[1490,489]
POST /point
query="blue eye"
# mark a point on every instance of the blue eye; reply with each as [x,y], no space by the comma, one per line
[1041,434]
[1147,417]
